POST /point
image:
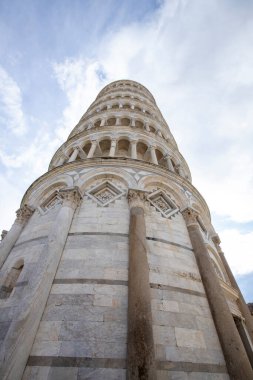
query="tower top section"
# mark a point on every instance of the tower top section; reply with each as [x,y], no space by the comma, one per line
[127,85]
[123,122]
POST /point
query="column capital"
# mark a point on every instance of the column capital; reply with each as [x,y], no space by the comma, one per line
[136,198]
[216,239]
[3,234]
[23,214]
[71,196]
[190,216]
[114,138]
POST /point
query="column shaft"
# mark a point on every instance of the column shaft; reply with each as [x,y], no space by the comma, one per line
[236,358]
[153,155]
[133,149]
[141,357]
[23,215]
[92,149]
[74,155]
[113,148]
[24,329]
[169,164]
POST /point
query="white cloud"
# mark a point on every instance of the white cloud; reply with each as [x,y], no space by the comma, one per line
[238,250]
[80,80]
[11,113]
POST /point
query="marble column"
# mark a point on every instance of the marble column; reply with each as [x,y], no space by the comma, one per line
[140,355]
[132,123]
[241,302]
[113,147]
[92,148]
[133,149]
[74,155]
[23,215]
[31,309]
[237,361]
[147,127]
[169,163]
[179,169]
[153,155]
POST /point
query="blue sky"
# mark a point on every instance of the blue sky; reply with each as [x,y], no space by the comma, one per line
[195,57]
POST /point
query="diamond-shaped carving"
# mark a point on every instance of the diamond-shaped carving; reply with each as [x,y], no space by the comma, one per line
[105,193]
[51,202]
[163,203]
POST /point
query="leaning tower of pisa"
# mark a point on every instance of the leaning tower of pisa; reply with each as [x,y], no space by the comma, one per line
[112,269]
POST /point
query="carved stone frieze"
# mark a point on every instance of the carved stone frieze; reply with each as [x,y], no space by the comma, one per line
[23,214]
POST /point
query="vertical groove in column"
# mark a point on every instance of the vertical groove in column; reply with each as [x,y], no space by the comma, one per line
[141,357]
[236,358]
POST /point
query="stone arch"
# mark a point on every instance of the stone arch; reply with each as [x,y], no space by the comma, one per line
[111,121]
[97,123]
[125,121]
[152,129]
[137,108]
[41,191]
[160,158]
[147,183]
[86,146]
[104,108]
[142,149]
[139,124]
[103,173]
[105,145]
[123,147]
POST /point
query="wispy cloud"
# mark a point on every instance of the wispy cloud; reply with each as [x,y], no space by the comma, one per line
[80,79]
[11,112]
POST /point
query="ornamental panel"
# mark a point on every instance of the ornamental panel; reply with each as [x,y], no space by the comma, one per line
[105,193]
[163,203]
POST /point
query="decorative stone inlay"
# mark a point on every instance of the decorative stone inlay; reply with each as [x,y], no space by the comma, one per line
[137,198]
[51,202]
[105,193]
[163,203]
[23,214]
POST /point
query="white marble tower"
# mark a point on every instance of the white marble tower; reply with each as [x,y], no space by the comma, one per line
[112,269]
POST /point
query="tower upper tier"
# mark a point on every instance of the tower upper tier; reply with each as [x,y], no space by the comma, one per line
[123,121]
